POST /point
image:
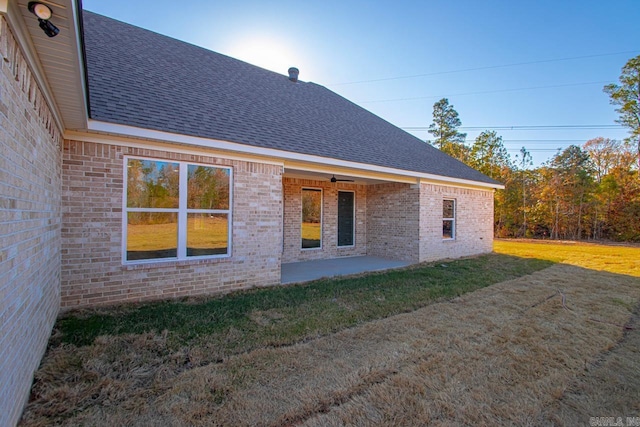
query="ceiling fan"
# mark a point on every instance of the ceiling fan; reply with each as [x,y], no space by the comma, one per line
[334,179]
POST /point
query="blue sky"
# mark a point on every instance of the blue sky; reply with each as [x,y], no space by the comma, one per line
[500,63]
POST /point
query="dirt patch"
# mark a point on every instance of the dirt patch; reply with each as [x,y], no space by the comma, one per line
[266,317]
[528,351]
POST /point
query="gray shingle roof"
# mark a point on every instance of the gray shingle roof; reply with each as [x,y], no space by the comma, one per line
[141,78]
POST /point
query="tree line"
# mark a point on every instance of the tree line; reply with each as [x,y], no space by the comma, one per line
[588,191]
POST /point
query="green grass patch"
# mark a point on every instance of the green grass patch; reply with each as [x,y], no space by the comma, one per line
[619,259]
[283,315]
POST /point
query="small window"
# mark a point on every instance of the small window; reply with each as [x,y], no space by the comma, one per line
[176,210]
[311,218]
[346,218]
[448,219]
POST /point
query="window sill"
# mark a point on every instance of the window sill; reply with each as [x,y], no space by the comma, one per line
[173,263]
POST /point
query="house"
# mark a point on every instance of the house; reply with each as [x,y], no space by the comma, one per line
[137,167]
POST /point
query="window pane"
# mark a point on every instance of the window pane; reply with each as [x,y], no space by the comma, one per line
[447,229]
[152,235]
[152,184]
[311,218]
[447,209]
[345,218]
[207,234]
[207,187]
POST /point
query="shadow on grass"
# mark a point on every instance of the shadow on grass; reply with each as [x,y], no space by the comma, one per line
[284,315]
[562,338]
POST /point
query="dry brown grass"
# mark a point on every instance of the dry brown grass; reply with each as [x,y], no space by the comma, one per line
[552,348]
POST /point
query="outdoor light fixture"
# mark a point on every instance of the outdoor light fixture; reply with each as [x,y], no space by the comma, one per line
[43,12]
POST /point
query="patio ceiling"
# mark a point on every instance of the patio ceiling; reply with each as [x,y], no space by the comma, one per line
[320,172]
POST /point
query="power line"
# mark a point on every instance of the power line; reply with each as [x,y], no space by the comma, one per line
[483,92]
[544,127]
[488,67]
[537,150]
[523,127]
[538,141]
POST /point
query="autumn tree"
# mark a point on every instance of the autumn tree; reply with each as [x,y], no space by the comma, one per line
[445,131]
[569,186]
[524,160]
[626,96]
[604,154]
[489,155]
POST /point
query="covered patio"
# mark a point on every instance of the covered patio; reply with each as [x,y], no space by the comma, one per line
[305,271]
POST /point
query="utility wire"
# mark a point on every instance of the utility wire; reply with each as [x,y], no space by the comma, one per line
[488,67]
[544,127]
[538,141]
[484,92]
[522,127]
[537,150]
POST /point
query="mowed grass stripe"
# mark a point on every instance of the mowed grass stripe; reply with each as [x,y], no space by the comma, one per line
[522,351]
[284,315]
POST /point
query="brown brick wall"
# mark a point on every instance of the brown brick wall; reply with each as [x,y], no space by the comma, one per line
[474,222]
[29,227]
[393,221]
[293,214]
[92,269]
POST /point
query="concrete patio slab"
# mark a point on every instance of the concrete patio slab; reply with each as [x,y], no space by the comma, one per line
[306,271]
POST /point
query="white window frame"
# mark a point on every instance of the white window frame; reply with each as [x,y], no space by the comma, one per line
[453,219]
[321,218]
[182,212]
[353,231]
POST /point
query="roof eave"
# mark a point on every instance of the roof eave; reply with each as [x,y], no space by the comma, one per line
[289,158]
[57,62]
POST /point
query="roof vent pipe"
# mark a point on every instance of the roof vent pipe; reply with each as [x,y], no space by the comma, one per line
[293,74]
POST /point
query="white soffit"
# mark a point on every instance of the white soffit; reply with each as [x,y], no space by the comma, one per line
[60,58]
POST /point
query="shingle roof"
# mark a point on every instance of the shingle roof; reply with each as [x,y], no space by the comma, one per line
[140,78]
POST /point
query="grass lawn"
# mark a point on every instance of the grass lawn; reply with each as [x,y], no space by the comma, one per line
[622,259]
[495,339]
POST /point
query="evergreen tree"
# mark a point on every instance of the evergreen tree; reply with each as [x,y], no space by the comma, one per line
[445,130]
[627,96]
[489,155]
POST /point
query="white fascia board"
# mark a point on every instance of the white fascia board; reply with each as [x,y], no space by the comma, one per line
[136,132]
[76,13]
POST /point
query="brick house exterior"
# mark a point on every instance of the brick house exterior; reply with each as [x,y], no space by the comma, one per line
[92,269]
[30,217]
[66,146]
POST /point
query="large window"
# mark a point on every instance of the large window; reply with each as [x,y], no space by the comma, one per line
[311,218]
[176,210]
[448,219]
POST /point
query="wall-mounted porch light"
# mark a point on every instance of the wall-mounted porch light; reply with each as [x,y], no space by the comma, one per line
[43,12]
